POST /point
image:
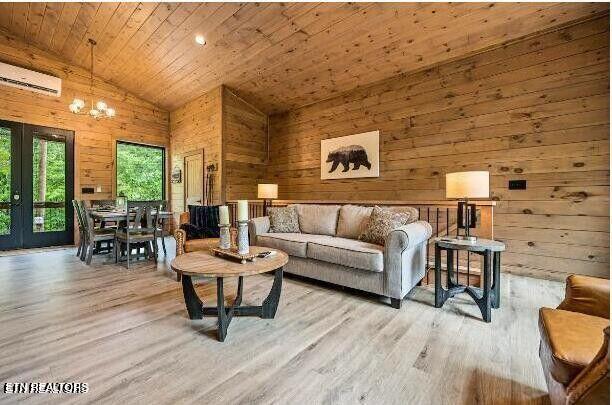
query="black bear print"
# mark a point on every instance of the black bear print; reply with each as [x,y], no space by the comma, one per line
[355,154]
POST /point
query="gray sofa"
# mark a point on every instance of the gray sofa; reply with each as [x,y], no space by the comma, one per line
[327,249]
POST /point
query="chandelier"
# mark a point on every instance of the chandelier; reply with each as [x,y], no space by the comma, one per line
[98,110]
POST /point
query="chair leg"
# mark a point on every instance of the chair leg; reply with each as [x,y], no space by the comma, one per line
[155,249]
[163,243]
[128,253]
[84,250]
[80,245]
[90,250]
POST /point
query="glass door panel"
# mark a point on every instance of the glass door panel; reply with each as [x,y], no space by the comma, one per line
[48,178]
[49,184]
[5,180]
[10,183]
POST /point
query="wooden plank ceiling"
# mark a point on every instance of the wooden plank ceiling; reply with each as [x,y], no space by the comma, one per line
[277,55]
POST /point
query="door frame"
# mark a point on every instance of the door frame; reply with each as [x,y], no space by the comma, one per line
[53,238]
[22,234]
[185,156]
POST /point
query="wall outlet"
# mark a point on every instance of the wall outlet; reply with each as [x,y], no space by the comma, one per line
[517,185]
[87,190]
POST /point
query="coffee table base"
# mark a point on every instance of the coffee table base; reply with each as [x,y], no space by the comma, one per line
[225,314]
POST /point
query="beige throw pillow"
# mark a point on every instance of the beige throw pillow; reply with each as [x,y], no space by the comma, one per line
[353,221]
[382,222]
[318,219]
[283,220]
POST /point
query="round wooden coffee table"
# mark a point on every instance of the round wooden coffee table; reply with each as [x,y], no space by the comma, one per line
[205,264]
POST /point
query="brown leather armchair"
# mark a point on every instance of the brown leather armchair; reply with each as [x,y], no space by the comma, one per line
[574,345]
[183,245]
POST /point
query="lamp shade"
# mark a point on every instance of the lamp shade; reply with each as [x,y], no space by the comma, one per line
[267,191]
[467,185]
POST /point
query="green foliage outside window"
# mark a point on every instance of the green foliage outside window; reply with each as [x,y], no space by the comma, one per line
[5,178]
[140,172]
[54,218]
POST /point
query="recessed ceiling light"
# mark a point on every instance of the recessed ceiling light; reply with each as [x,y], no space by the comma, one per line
[200,39]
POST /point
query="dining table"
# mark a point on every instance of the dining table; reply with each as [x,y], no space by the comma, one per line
[118,215]
[105,216]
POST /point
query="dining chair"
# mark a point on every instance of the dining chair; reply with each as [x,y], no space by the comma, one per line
[141,220]
[94,235]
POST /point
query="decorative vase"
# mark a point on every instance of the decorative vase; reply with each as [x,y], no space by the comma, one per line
[243,237]
[224,236]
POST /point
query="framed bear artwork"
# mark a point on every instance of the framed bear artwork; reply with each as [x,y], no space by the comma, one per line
[350,157]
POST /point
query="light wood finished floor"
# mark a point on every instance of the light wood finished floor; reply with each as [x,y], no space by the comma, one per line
[126,333]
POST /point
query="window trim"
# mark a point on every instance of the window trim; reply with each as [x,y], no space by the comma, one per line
[163,150]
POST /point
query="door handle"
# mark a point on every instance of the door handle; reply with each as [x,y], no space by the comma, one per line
[16,199]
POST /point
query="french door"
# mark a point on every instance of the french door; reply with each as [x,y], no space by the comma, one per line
[36,186]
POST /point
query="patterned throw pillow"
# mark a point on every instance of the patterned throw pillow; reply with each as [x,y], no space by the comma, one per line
[283,220]
[382,222]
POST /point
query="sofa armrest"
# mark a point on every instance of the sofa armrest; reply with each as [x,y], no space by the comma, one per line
[257,226]
[592,385]
[587,295]
[405,257]
[180,236]
[408,236]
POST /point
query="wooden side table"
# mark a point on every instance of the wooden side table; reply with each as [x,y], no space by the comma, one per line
[205,264]
[486,297]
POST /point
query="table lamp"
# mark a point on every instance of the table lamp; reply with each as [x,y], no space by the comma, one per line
[267,193]
[463,186]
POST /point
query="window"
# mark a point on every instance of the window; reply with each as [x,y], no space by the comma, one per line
[140,171]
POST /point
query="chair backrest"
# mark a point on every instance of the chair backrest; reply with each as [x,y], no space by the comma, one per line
[86,219]
[143,215]
[77,211]
[96,204]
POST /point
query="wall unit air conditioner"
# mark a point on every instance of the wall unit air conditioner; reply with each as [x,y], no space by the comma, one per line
[25,79]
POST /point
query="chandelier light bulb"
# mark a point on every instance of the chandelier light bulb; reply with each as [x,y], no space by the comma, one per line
[101,105]
[74,108]
[200,40]
[93,112]
[110,112]
[79,103]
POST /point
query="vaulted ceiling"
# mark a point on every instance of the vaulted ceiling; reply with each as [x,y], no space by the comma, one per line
[276,55]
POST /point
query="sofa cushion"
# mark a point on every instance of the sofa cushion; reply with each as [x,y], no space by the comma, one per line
[283,219]
[318,219]
[348,252]
[411,211]
[352,221]
[294,244]
[570,341]
[382,222]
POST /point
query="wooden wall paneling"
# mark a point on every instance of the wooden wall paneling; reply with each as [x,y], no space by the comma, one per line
[245,143]
[535,110]
[196,126]
[136,120]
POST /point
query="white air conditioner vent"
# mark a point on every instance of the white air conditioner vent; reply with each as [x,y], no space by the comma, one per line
[25,79]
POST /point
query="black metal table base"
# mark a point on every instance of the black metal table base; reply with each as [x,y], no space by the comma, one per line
[225,314]
[486,298]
